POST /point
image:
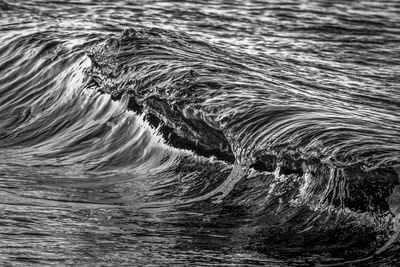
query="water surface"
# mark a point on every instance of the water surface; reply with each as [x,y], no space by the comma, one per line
[199,133]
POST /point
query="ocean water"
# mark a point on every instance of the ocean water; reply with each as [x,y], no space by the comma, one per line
[199,133]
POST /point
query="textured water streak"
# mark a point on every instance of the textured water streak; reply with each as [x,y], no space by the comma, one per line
[171,133]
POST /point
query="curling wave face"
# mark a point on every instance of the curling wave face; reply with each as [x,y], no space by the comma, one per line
[209,100]
[162,141]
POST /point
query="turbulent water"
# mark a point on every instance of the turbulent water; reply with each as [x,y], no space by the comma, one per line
[199,133]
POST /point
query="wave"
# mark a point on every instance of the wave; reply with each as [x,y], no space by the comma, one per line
[329,147]
[199,89]
[220,102]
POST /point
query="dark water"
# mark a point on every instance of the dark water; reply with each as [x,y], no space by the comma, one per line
[199,133]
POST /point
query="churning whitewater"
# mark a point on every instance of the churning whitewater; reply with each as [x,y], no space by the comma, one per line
[168,133]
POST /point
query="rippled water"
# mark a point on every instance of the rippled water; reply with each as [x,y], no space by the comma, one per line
[199,133]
